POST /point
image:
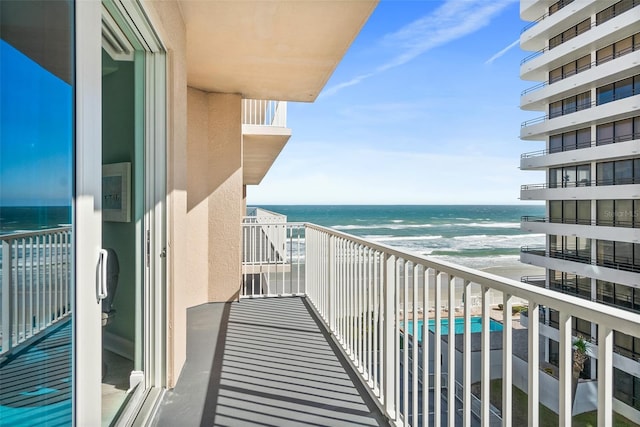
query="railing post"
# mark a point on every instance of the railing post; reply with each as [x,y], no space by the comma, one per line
[7,297]
[389,367]
[534,364]
[332,281]
[507,361]
[566,377]
[605,374]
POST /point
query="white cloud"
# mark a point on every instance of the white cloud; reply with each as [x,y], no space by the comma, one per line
[502,52]
[451,21]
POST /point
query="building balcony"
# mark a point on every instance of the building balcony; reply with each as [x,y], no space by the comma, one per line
[537,65]
[603,230]
[356,330]
[264,135]
[583,190]
[595,74]
[535,35]
[581,265]
[603,150]
[352,344]
[543,126]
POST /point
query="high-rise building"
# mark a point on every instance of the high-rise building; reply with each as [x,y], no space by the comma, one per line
[585,61]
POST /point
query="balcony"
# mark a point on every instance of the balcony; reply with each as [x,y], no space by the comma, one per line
[618,230]
[264,135]
[580,263]
[361,302]
[349,348]
[35,327]
[595,150]
[537,65]
[581,190]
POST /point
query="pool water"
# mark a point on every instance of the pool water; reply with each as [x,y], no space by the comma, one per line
[476,326]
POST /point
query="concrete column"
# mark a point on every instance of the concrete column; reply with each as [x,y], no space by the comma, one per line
[215,199]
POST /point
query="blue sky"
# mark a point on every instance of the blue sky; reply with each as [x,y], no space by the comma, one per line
[423,109]
[35,133]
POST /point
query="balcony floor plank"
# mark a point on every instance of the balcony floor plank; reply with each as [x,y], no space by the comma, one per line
[264,362]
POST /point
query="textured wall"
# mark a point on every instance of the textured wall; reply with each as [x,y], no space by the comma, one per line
[215,199]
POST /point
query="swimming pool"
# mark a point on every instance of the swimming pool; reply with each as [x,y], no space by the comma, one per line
[476,326]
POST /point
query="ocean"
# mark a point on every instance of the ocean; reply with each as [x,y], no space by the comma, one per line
[480,236]
[30,218]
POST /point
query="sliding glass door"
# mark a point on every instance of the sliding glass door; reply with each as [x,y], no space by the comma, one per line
[37,232]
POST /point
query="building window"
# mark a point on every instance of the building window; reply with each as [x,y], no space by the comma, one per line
[622,296]
[570,248]
[558,5]
[618,173]
[619,255]
[570,176]
[618,213]
[618,90]
[618,49]
[569,283]
[615,10]
[570,33]
[570,69]
[626,388]
[619,131]
[570,140]
[570,211]
[570,105]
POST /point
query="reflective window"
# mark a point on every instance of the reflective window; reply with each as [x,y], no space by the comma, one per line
[36,189]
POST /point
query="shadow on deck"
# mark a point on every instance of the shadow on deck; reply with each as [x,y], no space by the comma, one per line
[264,362]
[35,382]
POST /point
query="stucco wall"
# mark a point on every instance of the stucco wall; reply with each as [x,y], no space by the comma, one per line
[214,197]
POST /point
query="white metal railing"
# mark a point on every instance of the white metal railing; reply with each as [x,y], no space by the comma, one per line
[366,292]
[272,257]
[36,272]
[264,112]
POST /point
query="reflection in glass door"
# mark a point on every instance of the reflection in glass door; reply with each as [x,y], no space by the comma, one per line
[36,211]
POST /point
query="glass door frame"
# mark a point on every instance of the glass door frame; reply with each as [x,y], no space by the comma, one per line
[131,17]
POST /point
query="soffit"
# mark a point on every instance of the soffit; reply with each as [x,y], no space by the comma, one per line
[284,50]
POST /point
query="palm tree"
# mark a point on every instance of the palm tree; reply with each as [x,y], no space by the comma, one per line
[580,356]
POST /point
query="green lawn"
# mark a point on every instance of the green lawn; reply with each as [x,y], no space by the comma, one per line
[547,417]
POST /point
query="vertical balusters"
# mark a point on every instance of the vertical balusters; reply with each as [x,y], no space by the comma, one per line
[429,282]
[437,351]
[415,344]
[605,376]
[405,343]
[466,399]
[486,358]
[23,288]
[565,362]
[451,348]
[507,360]
[389,352]
[534,364]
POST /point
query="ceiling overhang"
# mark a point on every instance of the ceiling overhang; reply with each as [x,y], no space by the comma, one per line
[283,50]
[261,145]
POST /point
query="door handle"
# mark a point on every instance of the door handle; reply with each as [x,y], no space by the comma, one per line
[102,290]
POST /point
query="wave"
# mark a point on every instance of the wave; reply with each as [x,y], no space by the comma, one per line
[401,238]
[380,226]
[498,236]
[491,224]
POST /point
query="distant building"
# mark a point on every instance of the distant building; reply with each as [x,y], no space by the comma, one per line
[586,60]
